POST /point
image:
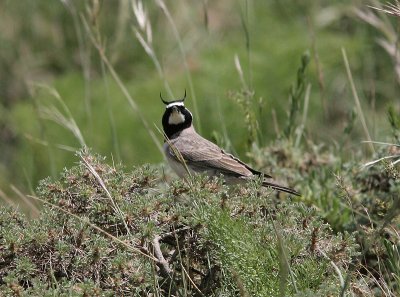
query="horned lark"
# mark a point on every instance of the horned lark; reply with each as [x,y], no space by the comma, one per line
[188,152]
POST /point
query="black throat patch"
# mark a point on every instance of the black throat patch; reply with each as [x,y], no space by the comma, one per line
[171,128]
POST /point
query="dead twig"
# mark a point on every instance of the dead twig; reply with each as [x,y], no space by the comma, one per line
[161,263]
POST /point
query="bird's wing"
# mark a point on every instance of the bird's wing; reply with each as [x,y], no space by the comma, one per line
[205,155]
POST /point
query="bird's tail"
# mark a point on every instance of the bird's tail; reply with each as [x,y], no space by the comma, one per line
[280,188]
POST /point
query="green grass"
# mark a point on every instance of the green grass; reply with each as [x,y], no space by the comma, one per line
[223,247]
[301,122]
[278,36]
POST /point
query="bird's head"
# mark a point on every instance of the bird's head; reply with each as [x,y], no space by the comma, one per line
[176,117]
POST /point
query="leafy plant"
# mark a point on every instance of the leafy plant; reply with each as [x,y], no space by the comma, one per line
[104,231]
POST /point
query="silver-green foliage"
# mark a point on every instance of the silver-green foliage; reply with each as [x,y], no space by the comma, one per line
[225,242]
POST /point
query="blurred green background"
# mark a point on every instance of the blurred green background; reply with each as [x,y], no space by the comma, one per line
[57,92]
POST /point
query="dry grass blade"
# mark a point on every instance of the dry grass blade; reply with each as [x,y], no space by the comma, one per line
[390,39]
[176,152]
[390,8]
[64,118]
[7,199]
[46,143]
[142,19]
[337,269]
[381,159]
[240,72]
[143,33]
[191,281]
[373,162]
[383,143]
[164,8]
[392,48]
[120,84]
[103,186]
[357,100]
[33,208]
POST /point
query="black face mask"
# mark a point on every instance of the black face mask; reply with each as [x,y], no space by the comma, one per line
[171,129]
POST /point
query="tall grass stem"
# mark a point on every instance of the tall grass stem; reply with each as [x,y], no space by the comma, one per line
[357,101]
[164,8]
[120,84]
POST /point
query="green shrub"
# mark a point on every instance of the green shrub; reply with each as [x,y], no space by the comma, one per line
[143,238]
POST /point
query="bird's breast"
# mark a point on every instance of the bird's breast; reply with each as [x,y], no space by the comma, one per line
[176,166]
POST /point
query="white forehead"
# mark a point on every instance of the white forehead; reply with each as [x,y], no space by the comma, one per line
[175,104]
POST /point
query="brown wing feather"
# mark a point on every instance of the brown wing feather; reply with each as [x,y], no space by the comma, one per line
[200,152]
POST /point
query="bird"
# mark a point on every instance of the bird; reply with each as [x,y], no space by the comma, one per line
[187,152]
